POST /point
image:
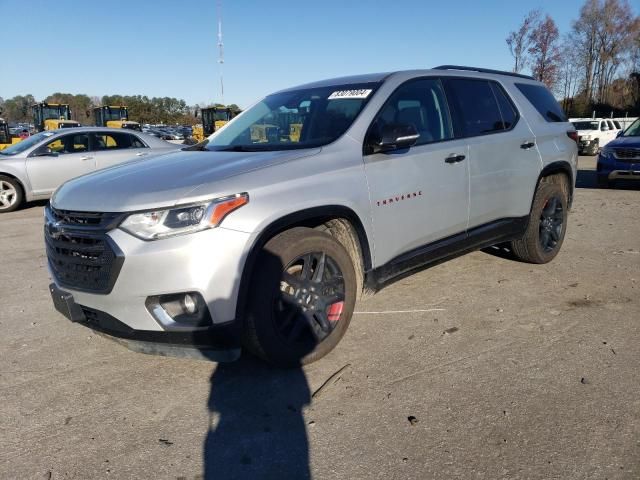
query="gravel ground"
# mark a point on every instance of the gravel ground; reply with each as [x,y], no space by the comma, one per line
[481,367]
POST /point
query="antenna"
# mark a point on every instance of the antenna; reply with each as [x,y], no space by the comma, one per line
[220,50]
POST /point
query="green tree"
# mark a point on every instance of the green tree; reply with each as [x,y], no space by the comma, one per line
[18,108]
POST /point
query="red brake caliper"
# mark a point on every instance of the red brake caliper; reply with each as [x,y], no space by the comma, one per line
[334,311]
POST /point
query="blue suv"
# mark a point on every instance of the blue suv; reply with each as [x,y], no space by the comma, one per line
[620,159]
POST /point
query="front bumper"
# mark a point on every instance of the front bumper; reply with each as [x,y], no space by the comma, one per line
[220,343]
[611,168]
[208,262]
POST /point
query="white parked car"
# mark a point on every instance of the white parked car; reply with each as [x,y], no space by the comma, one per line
[595,133]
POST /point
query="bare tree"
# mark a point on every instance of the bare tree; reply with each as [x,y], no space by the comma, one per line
[545,52]
[616,34]
[519,40]
[584,34]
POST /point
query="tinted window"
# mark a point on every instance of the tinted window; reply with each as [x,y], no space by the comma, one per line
[507,110]
[474,107]
[113,141]
[68,144]
[610,125]
[617,124]
[543,102]
[420,103]
[136,142]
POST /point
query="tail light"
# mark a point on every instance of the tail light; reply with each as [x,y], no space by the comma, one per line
[573,135]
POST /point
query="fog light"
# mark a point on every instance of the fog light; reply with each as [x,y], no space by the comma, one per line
[177,311]
[189,304]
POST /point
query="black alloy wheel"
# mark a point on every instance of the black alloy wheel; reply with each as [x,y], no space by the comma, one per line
[311,299]
[551,224]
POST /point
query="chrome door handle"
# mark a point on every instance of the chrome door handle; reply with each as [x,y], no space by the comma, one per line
[454,158]
[86,158]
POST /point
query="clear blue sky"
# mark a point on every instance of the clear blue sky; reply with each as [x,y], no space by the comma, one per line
[168,48]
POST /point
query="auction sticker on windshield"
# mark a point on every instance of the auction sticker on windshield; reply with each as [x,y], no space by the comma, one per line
[360,93]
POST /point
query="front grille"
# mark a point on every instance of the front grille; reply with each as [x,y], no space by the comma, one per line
[627,154]
[81,255]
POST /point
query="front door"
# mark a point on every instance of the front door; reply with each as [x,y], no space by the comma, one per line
[61,159]
[420,194]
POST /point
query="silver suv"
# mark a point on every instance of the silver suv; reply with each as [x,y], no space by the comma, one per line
[265,234]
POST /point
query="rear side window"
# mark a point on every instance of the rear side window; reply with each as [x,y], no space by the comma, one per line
[543,102]
[474,107]
[610,125]
[114,141]
[617,124]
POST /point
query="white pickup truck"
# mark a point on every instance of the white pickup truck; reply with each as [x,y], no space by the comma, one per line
[595,133]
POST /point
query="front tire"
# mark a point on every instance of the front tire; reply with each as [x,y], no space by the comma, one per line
[547,225]
[303,293]
[11,195]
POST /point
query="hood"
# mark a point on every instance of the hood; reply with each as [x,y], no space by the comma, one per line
[628,142]
[162,181]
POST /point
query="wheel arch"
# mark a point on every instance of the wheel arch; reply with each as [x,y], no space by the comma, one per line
[554,168]
[312,218]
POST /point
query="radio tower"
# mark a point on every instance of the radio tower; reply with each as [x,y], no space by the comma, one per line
[220,50]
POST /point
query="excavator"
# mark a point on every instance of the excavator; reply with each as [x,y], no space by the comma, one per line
[213,118]
[114,117]
[51,116]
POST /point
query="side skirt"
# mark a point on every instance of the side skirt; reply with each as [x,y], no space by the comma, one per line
[432,254]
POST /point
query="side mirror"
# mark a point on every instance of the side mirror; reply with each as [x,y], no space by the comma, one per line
[396,136]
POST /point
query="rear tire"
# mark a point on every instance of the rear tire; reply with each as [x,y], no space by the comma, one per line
[547,226]
[303,293]
[11,195]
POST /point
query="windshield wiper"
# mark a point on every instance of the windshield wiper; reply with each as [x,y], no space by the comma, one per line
[239,148]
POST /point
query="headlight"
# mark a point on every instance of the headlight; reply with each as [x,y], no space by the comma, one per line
[586,137]
[606,152]
[181,220]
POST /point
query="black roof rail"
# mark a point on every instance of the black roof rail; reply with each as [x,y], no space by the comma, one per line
[482,70]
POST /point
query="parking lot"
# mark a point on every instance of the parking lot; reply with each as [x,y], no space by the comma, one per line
[482,367]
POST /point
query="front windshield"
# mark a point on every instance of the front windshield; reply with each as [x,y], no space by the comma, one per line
[633,130]
[55,112]
[222,116]
[294,119]
[26,143]
[114,114]
[586,125]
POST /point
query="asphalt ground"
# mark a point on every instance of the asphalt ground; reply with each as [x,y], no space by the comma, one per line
[481,367]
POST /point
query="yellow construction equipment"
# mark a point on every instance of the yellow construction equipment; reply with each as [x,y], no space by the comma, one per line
[51,116]
[213,118]
[114,116]
[6,139]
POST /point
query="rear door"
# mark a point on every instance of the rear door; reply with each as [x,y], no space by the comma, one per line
[503,156]
[65,157]
[111,148]
[417,194]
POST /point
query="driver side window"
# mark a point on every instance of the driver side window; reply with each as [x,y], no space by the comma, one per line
[67,144]
[419,103]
